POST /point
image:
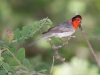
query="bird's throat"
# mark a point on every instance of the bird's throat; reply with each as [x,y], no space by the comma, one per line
[75,24]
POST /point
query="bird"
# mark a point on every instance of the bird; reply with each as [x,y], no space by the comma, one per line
[62,30]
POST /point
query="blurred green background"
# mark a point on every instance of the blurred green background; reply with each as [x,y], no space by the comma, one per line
[17,13]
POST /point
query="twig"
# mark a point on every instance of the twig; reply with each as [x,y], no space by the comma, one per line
[52,66]
[27,72]
[56,51]
[89,45]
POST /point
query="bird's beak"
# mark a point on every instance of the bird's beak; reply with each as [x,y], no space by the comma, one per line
[80,22]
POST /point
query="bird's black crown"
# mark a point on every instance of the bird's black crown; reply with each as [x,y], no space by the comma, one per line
[77,16]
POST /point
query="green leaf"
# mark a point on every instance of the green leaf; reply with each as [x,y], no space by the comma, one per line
[13,64]
[25,30]
[1,63]
[12,44]
[21,40]
[48,22]
[43,20]
[21,54]
[36,24]
[30,35]
[1,58]
[3,43]
[3,72]
[26,62]
[13,50]
[34,28]
[6,67]
[17,34]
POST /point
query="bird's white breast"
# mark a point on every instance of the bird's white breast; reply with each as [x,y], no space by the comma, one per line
[64,34]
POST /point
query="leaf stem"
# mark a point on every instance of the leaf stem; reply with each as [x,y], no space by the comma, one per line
[16,59]
[3,67]
[41,25]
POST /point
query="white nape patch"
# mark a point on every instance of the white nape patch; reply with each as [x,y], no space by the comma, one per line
[64,34]
[76,13]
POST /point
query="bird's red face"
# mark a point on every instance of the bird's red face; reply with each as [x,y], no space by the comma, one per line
[76,22]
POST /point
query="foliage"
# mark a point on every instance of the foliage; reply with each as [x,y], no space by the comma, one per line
[15,14]
[9,45]
[77,66]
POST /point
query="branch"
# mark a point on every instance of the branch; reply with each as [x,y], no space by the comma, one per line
[56,51]
[52,66]
[89,45]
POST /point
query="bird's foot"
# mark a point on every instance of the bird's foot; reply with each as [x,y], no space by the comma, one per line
[68,38]
[73,36]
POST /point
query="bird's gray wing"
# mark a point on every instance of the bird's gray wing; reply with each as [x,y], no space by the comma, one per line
[63,27]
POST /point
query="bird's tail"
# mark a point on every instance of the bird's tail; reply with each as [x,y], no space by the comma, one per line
[37,41]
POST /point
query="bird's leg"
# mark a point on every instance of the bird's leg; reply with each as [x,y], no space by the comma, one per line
[69,37]
[64,43]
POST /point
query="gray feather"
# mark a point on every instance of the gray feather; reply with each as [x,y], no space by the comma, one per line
[36,41]
[43,37]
